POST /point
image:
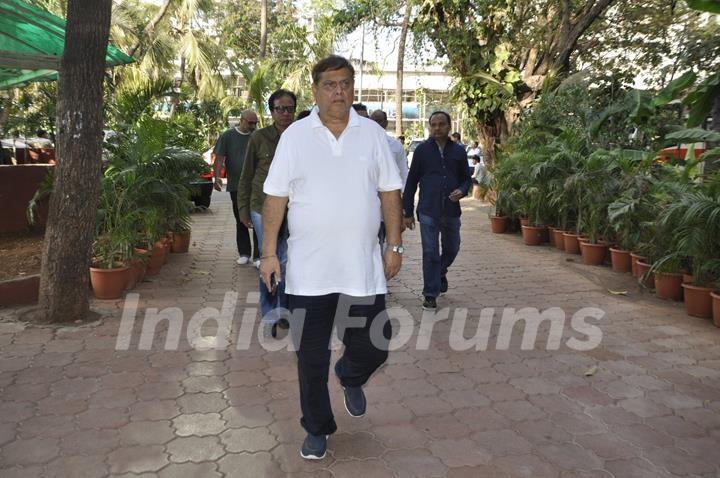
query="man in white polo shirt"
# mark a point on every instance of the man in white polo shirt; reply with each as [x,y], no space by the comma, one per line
[337,177]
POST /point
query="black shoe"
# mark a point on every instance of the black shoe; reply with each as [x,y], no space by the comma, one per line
[283,324]
[429,303]
[355,402]
[443,284]
[314,447]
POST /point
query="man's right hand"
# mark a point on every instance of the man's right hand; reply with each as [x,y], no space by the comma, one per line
[268,266]
[409,222]
[218,184]
[248,224]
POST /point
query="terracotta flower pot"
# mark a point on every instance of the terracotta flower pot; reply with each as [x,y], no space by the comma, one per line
[157,258]
[524,221]
[136,273]
[498,224]
[698,302]
[559,239]
[620,260]
[634,258]
[642,268]
[532,236]
[593,254]
[551,235]
[109,283]
[570,240]
[181,242]
[166,242]
[668,286]
[544,235]
[687,278]
[716,308]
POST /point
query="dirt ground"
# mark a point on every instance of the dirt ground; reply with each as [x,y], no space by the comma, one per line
[20,255]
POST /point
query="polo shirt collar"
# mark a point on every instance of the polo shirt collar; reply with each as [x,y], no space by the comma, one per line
[353,120]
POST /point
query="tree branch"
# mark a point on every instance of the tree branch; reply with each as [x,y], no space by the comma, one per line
[591,10]
[150,27]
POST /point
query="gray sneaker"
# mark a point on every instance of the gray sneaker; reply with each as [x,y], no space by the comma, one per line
[355,402]
[314,447]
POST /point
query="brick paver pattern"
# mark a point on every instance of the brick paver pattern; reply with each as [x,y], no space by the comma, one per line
[645,403]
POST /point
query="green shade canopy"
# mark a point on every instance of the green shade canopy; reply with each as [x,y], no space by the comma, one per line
[32,42]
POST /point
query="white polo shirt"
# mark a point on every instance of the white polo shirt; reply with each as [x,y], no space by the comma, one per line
[333,209]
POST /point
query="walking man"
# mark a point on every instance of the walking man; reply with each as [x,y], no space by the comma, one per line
[396,147]
[260,153]
[335,173]
[230,151]
[440,167]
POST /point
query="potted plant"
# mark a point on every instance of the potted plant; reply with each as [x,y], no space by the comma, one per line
[695,220]
[109,276]
[626,212]
[181,235]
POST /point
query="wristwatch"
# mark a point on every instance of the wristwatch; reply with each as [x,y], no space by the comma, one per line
[399,249]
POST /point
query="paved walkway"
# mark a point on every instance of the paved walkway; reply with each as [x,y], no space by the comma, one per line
[645,403]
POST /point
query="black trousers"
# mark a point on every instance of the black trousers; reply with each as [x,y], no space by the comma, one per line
[242,234]
[366,348]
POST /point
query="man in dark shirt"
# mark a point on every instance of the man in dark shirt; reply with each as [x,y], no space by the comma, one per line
[230,151]
[440,168]
[259,157]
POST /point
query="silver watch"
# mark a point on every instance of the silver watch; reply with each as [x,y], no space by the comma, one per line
[399,249]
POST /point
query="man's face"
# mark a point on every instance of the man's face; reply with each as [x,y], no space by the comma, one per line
[439,127]
[248,122]
[334,92]
[283,112]
[379,118]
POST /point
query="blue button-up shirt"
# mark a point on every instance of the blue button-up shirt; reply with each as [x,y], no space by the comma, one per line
[438,172]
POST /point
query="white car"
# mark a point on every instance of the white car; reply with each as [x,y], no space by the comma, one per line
[411,149]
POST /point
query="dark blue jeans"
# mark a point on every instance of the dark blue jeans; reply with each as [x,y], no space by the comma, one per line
[433,233]
[366,348]
[271,306]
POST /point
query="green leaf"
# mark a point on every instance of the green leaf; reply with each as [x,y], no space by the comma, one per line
[674,89]
[644,108]
[606,114]
[710,155]
[512,76]
[712,6]
[701,100]
[694,135]
[502,53]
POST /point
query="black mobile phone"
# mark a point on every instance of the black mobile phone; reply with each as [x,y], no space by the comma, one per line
[273,284]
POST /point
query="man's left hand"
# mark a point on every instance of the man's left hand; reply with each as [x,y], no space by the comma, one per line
[456,195]
[392,262]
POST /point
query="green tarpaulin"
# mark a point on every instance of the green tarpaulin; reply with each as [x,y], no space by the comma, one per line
[31,44]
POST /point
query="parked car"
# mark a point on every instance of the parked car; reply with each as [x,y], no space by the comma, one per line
[206,181]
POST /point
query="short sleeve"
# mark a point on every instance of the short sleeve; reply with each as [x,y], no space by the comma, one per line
[278,179]
[388,174]
[221,145]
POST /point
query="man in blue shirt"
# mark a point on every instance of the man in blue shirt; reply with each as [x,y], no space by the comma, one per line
[440,168]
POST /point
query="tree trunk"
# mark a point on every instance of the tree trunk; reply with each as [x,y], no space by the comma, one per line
[73,203]
[490,134]
[5,104]
[400,67]
[263,29]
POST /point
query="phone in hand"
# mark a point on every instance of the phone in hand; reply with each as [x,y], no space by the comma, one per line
[273,284]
